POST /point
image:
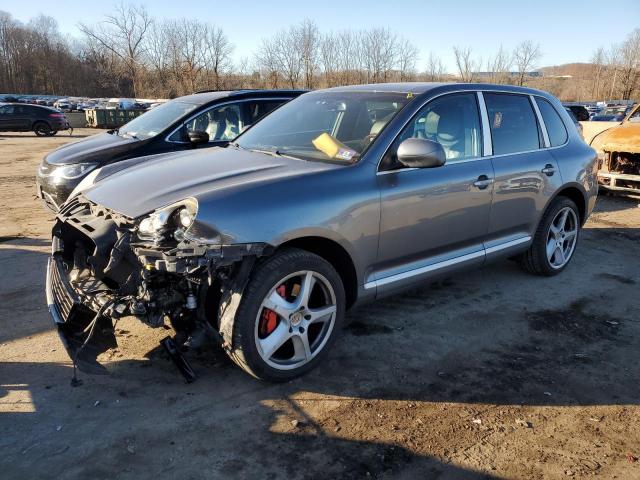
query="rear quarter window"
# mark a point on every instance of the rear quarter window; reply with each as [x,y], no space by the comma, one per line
[513,123]
[555,126]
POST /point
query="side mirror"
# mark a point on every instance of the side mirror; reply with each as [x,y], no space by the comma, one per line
[421,153]
[197,137]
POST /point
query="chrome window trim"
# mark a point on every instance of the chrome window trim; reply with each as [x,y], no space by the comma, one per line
[445,263]
[229,102]
[543,126]
[405,169]
[480,91]
[487,140]
[417,110]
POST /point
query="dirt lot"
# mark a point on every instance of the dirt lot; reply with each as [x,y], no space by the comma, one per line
[489,374]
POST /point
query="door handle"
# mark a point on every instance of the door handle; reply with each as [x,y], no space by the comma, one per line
[549,170]
[483,182]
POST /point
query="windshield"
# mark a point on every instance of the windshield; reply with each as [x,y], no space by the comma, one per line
[156,120]
[325,126]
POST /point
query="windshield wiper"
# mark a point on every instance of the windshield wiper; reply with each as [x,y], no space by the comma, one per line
[273,153]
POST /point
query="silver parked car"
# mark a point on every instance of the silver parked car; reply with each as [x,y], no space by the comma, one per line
[337,198]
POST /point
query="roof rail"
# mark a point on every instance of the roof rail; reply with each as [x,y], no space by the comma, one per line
[224,90]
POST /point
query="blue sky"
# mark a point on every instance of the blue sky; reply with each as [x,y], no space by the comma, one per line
[568,31]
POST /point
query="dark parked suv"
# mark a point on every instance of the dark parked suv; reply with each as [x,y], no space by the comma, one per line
[43,121]
[337,198]
[200,120]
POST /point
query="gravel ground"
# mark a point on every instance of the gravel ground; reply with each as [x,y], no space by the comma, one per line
[488,374]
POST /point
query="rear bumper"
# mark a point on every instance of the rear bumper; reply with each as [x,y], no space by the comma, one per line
[59,125]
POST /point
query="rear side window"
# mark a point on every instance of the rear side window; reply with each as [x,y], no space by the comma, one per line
[513,123]
[259,108]
[555,126]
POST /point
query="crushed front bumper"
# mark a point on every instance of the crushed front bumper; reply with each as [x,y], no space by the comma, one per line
[96,275]
[71,318]
[619,182]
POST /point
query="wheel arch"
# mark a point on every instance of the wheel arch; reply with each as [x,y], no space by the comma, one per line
[336,255]
[576,193]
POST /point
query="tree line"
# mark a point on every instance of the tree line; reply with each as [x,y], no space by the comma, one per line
[130,54]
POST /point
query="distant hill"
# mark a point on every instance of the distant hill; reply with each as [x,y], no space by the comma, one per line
[573,69]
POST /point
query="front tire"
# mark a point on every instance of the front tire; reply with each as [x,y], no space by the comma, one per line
[555,241]
[289,316]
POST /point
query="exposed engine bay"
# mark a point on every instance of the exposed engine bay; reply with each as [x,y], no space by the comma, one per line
[620,171]
[104,267]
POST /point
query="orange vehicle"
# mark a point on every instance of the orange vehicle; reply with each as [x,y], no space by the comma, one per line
[619,166]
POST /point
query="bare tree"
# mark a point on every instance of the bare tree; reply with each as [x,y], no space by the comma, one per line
[159,49]
[467,66]
[308,46]
[613,69]
[525,56]
[350,58]
[407,58]
[218,54]
[123,33]
[599,68]
[379,53]
[329,59]
[629,64]
[435,68]
[499,66]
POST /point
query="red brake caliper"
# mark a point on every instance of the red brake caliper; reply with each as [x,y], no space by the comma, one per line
[269,318]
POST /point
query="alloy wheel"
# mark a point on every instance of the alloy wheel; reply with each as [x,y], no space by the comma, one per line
[295,320]
[562,236]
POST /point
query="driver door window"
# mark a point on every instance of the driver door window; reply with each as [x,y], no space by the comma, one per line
[221,123]
[452,120]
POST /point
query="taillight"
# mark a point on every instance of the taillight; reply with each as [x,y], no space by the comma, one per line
[56,115]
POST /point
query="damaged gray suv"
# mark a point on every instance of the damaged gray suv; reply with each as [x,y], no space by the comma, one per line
[337,198]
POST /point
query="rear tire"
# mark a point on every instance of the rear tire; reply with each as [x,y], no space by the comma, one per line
[555,240]
[42,129]
[308,300]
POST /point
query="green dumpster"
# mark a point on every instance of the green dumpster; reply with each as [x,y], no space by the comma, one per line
[110,118]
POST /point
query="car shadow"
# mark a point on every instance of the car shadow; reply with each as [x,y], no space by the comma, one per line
[59,134]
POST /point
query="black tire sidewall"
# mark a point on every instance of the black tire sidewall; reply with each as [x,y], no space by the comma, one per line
[244,350]
[41,129]
[543,231]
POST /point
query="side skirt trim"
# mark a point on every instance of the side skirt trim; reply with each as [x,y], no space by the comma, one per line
[446,263]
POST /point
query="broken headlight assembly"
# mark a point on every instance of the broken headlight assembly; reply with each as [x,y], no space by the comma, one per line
[170,222]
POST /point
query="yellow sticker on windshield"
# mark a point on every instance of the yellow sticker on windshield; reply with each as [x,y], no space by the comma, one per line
[409,95]
[333,148]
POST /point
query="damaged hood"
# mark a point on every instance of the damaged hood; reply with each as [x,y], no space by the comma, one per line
[625,138]
[160,180]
